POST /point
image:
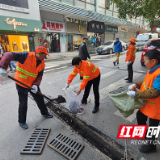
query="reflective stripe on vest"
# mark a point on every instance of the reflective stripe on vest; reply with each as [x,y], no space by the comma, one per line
[150,102]
[82,72]
[74,73]
[94,69]
[24,71]
[134,53]
[89,64]
[86,77]
[145,86]
[22,76]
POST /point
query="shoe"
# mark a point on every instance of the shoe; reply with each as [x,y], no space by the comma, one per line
[128,81]
[114,63]
[95,109]
[145,148]
[84,101]
[23,125]
[48,115]
[126,78]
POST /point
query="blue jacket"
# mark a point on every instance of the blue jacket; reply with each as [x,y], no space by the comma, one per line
[117,46]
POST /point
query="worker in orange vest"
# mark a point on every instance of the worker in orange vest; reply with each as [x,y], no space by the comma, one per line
[149,90]
[130,57]
[91,75]
[29,71]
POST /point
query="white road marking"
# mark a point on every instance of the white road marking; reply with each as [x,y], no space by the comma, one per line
[55,69]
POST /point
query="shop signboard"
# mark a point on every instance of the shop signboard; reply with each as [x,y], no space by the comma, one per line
[19,24]
[96,27]
[112,29]
[77,39]
[15,5]
[50,26]
[123,28]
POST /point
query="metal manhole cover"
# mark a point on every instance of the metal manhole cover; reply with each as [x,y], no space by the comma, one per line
[66,146]
[119,90]
[36,142]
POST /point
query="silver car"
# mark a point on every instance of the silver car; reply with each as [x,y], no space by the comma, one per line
[108,47]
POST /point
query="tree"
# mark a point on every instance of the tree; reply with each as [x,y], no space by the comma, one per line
[148,9]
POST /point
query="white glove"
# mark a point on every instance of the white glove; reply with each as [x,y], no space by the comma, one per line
[131,93]
[34,89]
[67,86]
[128,63]
[3,74]
[131,86]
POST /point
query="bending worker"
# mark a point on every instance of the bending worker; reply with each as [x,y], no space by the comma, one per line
[91,75]
[30,68]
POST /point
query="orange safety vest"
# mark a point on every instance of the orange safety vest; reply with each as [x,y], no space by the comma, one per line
[88,71]
[131,53]
[28,72]
[151,109]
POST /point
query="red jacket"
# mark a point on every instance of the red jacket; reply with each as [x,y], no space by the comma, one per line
[131,53]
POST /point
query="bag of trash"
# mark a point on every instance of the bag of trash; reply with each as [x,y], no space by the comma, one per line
[74,101]
[126,104]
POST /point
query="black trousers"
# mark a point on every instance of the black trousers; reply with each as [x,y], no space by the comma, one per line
[23,103]
[95,83]
[130,71]
[142,120]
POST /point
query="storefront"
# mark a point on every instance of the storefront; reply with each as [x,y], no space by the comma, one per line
[76,30]
[95,33]
[110,32]
[17,34]
[122,33]
[53,34]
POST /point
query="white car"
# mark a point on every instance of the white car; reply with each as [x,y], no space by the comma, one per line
[108,47]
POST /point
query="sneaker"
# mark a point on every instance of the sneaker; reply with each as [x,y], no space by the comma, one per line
[84,101]
[128,81]
[114,63]
[23,125]
[48,115]
[126,78]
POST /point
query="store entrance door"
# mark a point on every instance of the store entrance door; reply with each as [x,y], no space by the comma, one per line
[70,42]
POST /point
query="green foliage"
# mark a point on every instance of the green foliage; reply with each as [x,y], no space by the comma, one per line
[148,9]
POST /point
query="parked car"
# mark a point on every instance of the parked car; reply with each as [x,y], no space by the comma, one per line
[153,44]
[108,47]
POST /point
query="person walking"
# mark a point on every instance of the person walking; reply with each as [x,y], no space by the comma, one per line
[30,68]
[83,52]
[150,91]
[91,75]
[12,65]
[117,50]
[130,58]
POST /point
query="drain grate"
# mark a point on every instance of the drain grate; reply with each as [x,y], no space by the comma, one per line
[119,90]
[67,147]
[36,142]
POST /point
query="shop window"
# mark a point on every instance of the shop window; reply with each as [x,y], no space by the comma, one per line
[90,7]
[15,43]
[108,13]
[70,2]
[80,4]
[77,40]
[101,3]
[101,10]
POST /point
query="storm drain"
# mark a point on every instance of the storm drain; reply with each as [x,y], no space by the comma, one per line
[36,142]
[66,146]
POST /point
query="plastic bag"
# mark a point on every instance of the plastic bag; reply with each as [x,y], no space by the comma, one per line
[126,104]
[74,101]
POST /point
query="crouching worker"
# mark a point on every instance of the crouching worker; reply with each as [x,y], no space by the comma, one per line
[91,75]
[149,90]
[29,71]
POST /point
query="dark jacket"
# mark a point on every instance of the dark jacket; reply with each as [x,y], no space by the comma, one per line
[117,46]
[83,53]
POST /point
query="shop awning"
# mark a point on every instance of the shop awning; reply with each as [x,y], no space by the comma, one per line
[62,8]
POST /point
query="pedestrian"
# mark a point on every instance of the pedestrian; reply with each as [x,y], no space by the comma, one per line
[150,91]
[83,52]
[91,75]
[130,57]
[117,50]
[94,41]
[30,68]
[2,51]
[12,65]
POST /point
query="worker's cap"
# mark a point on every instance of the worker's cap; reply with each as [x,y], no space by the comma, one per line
[133,40]
[85,38]
[42,49]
